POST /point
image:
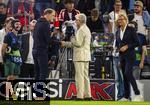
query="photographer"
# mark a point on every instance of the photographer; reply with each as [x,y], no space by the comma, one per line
[10,52]
[81,57]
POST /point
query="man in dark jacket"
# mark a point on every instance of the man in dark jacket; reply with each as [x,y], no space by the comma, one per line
[41,37]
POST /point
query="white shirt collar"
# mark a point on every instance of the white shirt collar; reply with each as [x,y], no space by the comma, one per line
[122,32]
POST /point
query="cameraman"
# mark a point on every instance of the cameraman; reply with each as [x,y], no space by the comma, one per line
[81,57]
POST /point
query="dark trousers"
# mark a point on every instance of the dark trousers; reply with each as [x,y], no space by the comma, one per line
[1,70]
[98,67]
[27,70]
[127,70]
[40,64]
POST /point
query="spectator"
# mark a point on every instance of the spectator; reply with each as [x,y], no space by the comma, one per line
[142,18]
[41,5]
[106,6]
[142,25]
[96,26]
[69,12]
[114,15]
[85,6]
[96,44]
[22,12]
[140,56]
[31,10]
[125,5]
[94,22]
[3,15]
[10,52]
[59,5]
[27,68]
[7,28]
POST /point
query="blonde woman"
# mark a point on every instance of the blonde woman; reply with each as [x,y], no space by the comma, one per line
[126,41]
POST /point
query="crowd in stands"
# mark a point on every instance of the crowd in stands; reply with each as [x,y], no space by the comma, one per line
[26,10]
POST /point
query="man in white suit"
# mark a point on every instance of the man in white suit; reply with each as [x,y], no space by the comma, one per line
[81,57]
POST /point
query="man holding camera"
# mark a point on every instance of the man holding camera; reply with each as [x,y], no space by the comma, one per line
[81,57]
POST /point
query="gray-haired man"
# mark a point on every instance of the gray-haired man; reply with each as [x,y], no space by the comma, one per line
[81,57]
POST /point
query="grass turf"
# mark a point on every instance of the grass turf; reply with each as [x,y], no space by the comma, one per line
[97,103]
[71,103]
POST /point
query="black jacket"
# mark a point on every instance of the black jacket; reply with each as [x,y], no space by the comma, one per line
[130,38]
[25,46]
[41,35]
[95,26]
[2,20]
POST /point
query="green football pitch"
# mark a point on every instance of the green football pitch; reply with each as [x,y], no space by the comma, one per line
[71,103]
[97,103]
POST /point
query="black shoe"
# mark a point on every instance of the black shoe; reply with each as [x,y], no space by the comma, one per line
[79,99]
[119,98]
[88,99]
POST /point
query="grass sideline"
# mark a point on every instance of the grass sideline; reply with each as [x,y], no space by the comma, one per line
[97,103]
[71,103]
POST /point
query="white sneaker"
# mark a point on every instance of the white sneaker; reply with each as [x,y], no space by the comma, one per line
[124,99]
[138,98]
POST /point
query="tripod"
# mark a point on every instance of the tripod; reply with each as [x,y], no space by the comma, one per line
[64,53]
[58,70]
